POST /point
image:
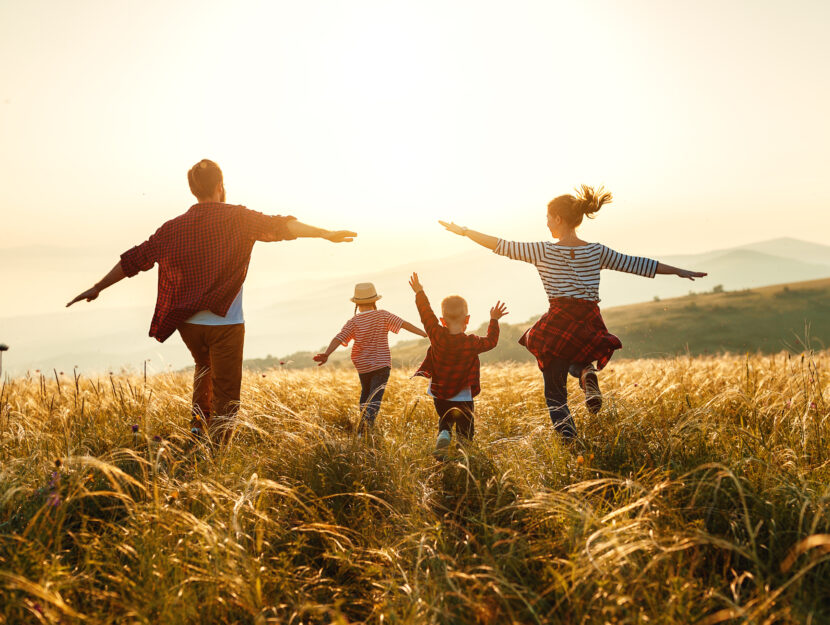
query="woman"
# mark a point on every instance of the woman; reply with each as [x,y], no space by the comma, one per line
[571,335]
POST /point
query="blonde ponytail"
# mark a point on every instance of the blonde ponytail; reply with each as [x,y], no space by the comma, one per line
[591,200]
[586,202]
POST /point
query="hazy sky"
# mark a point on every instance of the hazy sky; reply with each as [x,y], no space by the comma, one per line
[708,120]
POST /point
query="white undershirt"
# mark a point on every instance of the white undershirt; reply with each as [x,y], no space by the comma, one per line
[234,316]
[465,394]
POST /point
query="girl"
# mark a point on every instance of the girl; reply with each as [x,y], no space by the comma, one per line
[572,334]
[369,329]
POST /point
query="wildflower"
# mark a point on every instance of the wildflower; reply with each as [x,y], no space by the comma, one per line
[157,438]
[36,607]
[813,405]
[282,362]
[263,375]
[53,482]
[54,499]
[135,428]
[580,459]
[591,457]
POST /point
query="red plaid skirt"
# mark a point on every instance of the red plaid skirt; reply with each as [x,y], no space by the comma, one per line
[572,330]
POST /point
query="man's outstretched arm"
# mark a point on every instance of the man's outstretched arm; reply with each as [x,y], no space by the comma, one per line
[116,274]
[301,230]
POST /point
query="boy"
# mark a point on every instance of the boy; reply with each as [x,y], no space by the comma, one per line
[452,361]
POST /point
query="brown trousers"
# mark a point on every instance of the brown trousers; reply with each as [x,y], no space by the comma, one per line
[217,378]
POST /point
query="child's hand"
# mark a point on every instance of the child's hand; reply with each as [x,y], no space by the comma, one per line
[691,275]
[321,358]
[453,227]
[498,311]
[415,283]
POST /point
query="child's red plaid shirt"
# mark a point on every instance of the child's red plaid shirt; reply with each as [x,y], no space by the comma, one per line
[452,359]
[203,258]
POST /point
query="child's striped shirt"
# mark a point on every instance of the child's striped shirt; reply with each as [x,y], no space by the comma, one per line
[573,271]
[369,330]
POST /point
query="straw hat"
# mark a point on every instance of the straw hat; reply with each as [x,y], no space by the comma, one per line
[365,293]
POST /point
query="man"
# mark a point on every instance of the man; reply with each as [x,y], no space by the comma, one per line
[203,258]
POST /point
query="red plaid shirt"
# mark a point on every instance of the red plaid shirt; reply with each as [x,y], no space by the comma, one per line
[452,359]
[203,258]
[572,330]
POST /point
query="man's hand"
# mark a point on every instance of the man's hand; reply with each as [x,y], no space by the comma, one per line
[453,227]
[321,358]
[88,295]
[339,236]
[691,275]
[415,283]
[498,311]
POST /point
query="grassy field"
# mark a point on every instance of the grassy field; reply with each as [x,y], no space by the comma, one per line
[698,495]
[793,316]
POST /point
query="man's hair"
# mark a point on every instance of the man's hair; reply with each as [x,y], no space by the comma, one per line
[454,308]
[203,178]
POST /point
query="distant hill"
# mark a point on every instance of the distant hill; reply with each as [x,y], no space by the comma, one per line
[791,317]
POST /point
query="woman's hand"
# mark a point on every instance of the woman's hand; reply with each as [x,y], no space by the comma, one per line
[88,295]
[454,227]
[663,268]
[321,359]
[498,311]
[691,275]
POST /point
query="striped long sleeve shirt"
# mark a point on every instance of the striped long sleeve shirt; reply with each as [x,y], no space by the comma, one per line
[573,271]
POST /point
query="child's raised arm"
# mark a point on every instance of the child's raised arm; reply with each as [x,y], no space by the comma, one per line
[485,240]
[486,343]
[428,318]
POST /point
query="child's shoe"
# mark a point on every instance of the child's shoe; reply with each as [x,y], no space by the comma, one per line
[444,438]
[589,383]
[365,430]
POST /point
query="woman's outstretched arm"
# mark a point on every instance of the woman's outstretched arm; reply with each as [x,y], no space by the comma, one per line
[485,240]
[676,271]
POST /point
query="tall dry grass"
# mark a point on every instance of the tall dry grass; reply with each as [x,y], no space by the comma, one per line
[699,494]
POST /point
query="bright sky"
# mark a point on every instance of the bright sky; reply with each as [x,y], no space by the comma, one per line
[708,119]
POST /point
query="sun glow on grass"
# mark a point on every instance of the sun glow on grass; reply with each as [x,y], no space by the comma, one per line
[699,492]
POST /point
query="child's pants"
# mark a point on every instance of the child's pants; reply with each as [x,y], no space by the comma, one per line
[555,375]
[372,385]
[460,413]
[217,378]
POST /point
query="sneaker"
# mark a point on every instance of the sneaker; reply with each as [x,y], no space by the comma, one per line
[444,438]
[589,383]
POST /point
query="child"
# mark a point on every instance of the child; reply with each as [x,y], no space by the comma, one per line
[452,361]
[369,329]
[572,334]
